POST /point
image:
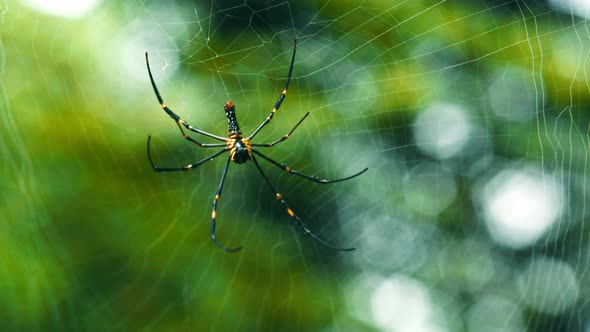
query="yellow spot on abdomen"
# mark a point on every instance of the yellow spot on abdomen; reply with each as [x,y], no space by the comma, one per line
[216,197]
[285,91]
[290,212]
[214,214]
[279,196]
[288,169]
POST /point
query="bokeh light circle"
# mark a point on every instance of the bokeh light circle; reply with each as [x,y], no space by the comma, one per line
[441,130]
[520,206]
[64,8]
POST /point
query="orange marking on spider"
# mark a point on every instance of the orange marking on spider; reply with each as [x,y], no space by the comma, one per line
[290,213]
[239,150]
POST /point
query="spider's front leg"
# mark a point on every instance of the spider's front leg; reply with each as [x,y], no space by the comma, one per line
[308,177]
[214,212]
[292,214]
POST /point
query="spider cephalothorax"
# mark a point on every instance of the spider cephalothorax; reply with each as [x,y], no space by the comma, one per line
[240,150]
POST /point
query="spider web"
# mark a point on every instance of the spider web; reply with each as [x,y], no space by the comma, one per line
[471,117]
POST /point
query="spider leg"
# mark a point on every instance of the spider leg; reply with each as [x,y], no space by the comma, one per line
[203,145]
[175,117]
[281,97]
[185,168]
[267,145]
[214,213]
[299,223]
[310,178]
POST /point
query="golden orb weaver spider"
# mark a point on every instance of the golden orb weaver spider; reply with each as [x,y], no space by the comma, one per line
[240,151]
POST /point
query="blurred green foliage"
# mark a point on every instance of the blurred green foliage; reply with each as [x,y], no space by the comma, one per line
[92,239]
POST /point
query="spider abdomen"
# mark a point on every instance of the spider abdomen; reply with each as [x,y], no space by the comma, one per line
[233,127]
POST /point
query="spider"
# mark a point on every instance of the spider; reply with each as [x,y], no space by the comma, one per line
[240,151]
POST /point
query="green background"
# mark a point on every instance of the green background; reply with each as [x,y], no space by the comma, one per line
[93,240]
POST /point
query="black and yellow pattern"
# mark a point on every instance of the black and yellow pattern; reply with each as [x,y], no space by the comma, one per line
[240,151]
